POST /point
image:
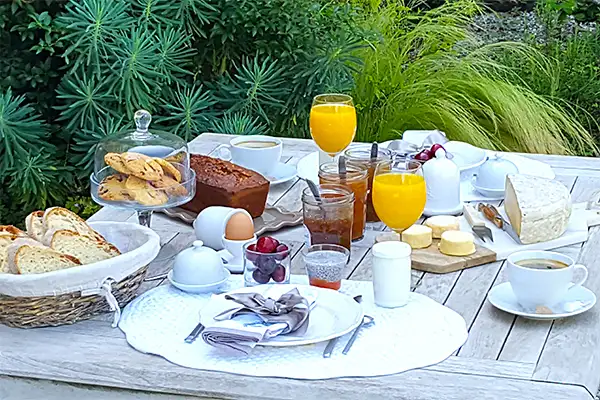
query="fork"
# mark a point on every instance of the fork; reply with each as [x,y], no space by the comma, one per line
[476,223]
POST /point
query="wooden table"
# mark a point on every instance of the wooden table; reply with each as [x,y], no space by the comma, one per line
[504,358]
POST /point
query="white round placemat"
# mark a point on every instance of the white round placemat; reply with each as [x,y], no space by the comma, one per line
[420,334]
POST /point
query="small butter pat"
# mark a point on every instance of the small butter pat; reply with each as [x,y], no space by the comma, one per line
[442,223]
[417,236]
[456,243]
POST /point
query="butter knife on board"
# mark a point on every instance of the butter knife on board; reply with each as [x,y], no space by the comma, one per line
[492,214]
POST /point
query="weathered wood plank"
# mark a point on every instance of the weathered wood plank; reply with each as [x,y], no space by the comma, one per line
[463,365]
[36,389]
[565,162]
[33,354]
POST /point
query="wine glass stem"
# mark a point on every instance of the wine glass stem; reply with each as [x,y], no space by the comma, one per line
[144,217]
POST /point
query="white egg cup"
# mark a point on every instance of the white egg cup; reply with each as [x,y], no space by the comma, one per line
[233,253]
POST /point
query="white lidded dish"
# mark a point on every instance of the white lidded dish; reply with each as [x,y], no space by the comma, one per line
[491,176]
[198,265]
[442,179]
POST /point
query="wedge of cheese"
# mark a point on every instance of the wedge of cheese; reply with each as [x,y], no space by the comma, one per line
[538,209]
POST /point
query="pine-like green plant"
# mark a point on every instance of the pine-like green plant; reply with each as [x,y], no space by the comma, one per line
[188,114]
[238,124]
[21,132]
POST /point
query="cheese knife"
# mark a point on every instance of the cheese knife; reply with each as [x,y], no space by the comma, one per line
[477,224]
[492,214]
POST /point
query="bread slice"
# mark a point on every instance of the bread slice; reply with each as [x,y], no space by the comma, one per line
[85,248]
[6,239]
[31,259]
[12,249]
[35,225]
[57,218]
[12,230]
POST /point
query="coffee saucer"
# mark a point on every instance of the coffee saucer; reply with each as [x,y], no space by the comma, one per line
[578,300]
[281,174]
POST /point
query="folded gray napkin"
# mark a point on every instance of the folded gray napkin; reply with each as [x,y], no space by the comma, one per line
[239,329]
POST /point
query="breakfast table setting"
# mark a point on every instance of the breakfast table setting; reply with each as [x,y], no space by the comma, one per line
[267,267]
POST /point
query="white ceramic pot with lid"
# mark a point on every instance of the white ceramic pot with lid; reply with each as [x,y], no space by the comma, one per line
[198,265]
[442,178]
[492,173]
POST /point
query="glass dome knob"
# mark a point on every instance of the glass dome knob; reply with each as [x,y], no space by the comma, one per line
[142,120]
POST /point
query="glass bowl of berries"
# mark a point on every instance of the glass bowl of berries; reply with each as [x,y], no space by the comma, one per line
[266,261]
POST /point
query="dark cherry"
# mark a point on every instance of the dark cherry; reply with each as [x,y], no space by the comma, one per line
[266,264]
[282,252]
[423,156]
[279,274]
[249,255]
[267,244]
[260,277]
[435,148]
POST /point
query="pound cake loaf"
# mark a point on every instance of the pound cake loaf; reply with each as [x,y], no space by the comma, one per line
[221,183]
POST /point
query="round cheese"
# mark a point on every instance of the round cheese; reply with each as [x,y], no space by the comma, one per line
[457,243]
[442,223]
[417,236]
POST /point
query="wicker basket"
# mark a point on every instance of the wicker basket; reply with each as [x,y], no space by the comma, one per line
[37,312]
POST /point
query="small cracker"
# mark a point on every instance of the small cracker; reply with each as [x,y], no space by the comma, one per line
[113,188]
[170,186]
[116,162]
[144,193]
[169,169]
[543,310]
[142,166]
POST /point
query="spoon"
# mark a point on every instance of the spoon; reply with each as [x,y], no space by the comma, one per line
[315,191]
[331,344]
[342,169]
[366,322]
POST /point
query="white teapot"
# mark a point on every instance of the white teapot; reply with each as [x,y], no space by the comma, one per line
[442,178]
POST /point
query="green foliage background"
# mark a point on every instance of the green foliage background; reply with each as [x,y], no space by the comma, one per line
[73,73]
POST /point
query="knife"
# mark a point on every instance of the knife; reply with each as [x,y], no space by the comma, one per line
[331,344]
[492,214]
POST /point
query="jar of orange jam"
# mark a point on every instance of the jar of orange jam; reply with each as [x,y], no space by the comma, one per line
[355,179]
[361,155]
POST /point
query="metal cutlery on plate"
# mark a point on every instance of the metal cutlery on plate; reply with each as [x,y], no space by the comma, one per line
[366,322]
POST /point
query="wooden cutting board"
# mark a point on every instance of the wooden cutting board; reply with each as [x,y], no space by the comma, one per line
[431,259]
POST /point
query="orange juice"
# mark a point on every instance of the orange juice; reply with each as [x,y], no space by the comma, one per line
[332,126]
[399,199]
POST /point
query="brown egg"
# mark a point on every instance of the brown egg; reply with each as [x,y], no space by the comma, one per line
[239,227]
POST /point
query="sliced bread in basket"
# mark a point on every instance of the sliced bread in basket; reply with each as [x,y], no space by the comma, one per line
[28,256]
[6,240]
[85,248]
[11,230]
[34,224]
[57,218]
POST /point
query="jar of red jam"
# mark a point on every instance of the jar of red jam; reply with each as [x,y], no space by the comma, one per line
[328,221]
[355,179]
[361,155]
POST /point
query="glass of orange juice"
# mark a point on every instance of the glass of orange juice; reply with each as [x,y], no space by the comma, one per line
[399,193]
[332,122]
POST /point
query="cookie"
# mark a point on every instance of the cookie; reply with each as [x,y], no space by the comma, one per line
[142,166]
[169,169]
[144,193]
[170,186]
[116,162]
[113,188]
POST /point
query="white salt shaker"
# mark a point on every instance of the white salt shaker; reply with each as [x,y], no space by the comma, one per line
[391,273]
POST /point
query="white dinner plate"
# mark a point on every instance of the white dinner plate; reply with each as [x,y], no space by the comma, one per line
[334,314]
[578,300]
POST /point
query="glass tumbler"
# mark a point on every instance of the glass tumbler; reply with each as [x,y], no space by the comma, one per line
[325,265]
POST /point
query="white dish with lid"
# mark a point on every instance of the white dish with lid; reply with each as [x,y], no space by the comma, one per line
[198,265]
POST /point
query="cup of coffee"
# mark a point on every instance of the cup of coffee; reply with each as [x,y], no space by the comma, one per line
[542,278]
[258,153]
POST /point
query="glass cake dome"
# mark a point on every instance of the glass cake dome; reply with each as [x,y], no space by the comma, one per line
[142,170]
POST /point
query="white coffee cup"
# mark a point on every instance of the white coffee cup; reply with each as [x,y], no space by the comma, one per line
[258,153]
[535,287]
